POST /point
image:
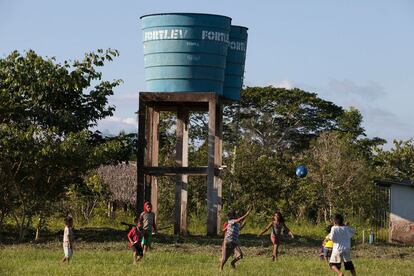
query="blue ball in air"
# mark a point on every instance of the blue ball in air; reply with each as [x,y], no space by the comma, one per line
[301,171]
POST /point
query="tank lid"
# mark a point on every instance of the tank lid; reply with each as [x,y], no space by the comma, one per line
[242,27]
[184,13]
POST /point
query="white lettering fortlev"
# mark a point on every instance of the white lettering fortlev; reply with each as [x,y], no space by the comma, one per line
[165,34]
[217,36]
[183,34]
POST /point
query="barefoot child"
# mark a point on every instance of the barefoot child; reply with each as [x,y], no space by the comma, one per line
[341,252]
[147,221]
[135,237]
[277,224]
[225,231]
[68,239]
[231,244]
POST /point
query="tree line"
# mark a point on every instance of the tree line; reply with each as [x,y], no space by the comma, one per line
[52,162]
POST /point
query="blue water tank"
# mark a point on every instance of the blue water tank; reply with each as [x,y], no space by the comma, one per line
[236,57]
[185,52]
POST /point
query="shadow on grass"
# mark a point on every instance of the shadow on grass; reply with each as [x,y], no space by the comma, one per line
[247,240]
[114,239]
[86,234]
[106,234]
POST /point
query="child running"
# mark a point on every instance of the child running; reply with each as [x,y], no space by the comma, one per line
[135,237]
[68,239]
[341,236]
[147,221]
[277,224]
[231,245]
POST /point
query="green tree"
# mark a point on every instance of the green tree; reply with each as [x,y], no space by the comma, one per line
[46,109]
[396,163]
[350,127]
[264,133]
[340,179]
[279,119]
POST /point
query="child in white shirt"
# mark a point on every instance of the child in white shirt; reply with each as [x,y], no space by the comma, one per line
[68,238]
[341,236]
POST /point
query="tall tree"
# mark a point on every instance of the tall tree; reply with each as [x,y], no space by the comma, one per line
[350,127]
[46,109]
[280,119]
[270,127]
[339,178]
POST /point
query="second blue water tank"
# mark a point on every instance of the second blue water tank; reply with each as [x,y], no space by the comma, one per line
[236,57]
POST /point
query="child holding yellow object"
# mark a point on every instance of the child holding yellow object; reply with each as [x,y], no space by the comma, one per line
[327,245]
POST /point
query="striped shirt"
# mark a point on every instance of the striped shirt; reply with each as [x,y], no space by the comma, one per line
[277,228]
[232,232]
[147,221]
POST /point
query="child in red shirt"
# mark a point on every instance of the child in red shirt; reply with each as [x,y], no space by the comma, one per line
[135,236]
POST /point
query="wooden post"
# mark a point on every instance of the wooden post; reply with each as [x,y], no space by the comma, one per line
[181,193]
[154,159]
[211,187]
[140,157]
[148,152]
[218,160]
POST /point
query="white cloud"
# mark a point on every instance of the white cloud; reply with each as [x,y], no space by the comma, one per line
[130,121]
[283,84]
[370,98]
[115,124]
[349,89]
[115,119]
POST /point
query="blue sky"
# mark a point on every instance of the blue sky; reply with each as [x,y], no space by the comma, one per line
[354,53]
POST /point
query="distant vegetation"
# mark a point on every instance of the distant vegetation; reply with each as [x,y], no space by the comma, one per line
[52,165]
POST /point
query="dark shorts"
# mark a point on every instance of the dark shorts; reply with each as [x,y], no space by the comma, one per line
[347,265]
[137,248]
[231,249]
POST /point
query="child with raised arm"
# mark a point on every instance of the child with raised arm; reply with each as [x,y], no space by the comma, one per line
[341,236]
[231,245]
[277,224]
[68,239]
[147,221]
[135,237]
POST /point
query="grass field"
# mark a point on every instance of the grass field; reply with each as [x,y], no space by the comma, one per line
[172,255]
